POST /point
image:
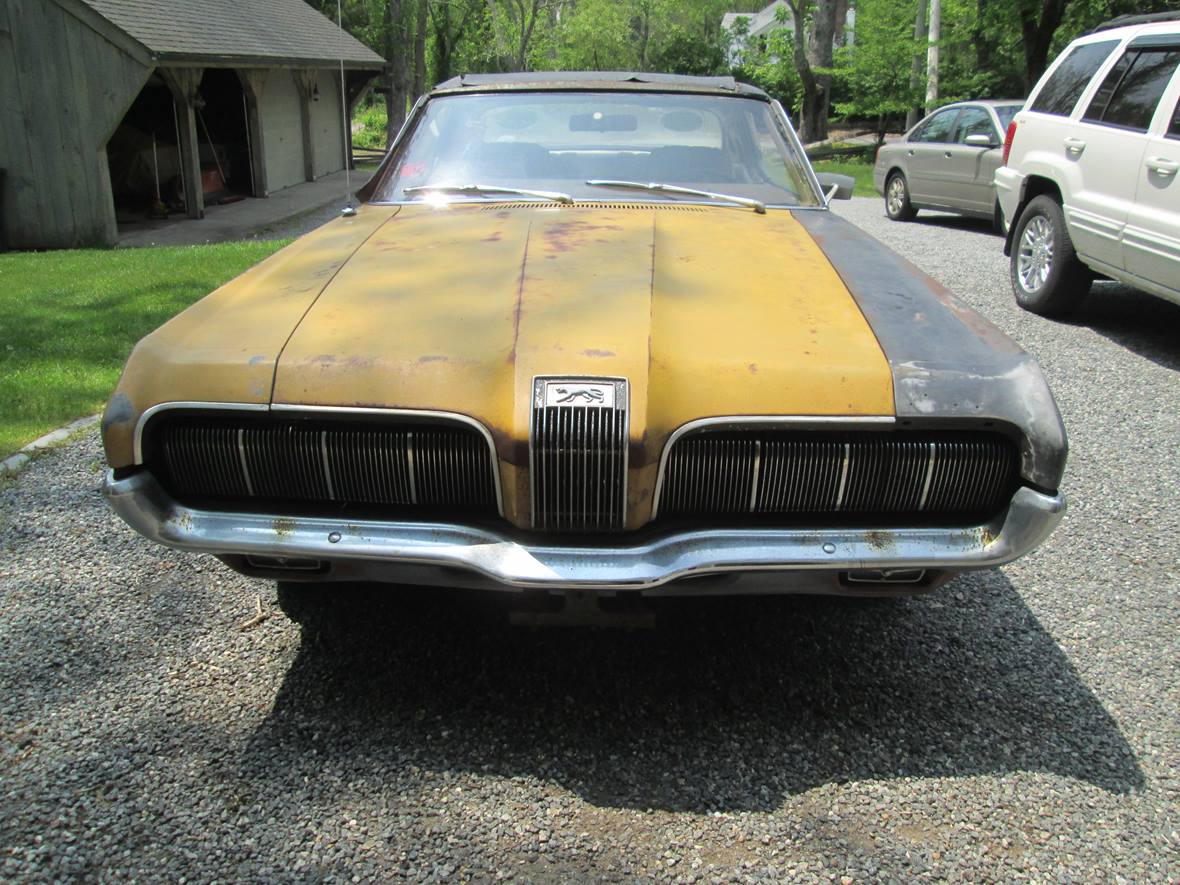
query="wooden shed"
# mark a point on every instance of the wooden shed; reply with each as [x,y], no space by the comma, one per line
[114,109]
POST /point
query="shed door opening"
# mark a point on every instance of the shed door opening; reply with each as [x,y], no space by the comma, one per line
[226,172]
[145,160]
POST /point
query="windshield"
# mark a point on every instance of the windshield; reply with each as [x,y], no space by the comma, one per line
[558,141]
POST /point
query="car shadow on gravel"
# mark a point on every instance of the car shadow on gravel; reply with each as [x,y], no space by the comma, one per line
[1141,323]
[726,704]
[950,221]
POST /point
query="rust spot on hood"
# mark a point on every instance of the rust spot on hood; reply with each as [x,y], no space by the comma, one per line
[566,236]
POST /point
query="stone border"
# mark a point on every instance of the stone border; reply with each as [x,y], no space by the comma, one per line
[14,464]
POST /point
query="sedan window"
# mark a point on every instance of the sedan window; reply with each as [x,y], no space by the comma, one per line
[974,121]
[1007,113]
[1174,128]
[938,128]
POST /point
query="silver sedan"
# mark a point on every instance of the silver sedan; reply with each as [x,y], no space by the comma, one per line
[946,162]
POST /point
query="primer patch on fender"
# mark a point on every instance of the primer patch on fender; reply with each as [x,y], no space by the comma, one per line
[947,361]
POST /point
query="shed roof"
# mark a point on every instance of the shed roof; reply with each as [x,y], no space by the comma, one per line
[249,32]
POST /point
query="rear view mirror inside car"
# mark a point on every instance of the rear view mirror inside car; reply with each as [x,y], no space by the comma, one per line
[600,122]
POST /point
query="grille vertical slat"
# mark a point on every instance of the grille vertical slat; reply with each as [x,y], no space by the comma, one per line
[578,454]
[308,461]
[861,474]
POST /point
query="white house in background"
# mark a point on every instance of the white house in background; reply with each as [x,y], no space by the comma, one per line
[766,20]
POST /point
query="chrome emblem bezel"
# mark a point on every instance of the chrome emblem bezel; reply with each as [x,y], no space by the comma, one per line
[589,393]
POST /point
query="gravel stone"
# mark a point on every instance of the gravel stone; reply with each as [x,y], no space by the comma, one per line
[1020,723]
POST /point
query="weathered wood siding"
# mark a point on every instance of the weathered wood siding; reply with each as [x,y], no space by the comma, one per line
[63,90]
[326,125]
[282,130]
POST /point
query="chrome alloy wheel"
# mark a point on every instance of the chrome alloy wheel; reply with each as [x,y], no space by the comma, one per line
[896,196]
[1034,262]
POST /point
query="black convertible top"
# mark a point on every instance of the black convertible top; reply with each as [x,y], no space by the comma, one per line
[596,80]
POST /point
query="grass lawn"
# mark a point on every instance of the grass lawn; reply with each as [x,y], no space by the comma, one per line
[861,171]
[69,319]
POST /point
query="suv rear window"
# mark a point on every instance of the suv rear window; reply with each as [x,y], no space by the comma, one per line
[1062,90]
[1131,90]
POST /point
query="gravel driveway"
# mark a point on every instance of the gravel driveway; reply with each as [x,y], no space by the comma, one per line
[1019,723]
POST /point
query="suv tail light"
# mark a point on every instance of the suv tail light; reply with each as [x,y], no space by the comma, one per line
[1008,136]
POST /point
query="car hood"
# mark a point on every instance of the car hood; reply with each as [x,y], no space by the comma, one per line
[704,310]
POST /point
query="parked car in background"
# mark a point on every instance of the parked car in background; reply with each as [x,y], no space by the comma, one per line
[946,162]
[1089,181]
[595,332]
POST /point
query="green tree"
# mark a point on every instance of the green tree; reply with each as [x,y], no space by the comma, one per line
[873,73]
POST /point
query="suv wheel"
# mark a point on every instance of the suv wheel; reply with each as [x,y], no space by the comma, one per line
[1047,277]
[897,199]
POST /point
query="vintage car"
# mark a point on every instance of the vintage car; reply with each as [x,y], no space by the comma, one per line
[593,332]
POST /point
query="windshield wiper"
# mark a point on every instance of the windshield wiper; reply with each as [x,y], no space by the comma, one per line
[757,205]
[487,189]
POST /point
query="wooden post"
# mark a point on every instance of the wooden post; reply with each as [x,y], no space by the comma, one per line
[184,84]
[306,79]
[253,82]
[358,85]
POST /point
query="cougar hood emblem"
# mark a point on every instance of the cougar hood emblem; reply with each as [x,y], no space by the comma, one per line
[574,393]
[586,394]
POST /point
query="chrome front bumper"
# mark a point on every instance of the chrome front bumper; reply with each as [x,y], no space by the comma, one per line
[630,565]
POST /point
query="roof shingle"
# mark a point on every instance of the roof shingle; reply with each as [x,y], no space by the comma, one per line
[256,30]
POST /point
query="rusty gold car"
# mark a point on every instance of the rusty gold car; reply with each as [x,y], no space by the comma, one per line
[594,332]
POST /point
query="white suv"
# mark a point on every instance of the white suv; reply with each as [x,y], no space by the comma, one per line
[1089,182]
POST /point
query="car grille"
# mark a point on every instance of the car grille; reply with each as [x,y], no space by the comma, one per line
[359,462]
[578,454]
[711,474]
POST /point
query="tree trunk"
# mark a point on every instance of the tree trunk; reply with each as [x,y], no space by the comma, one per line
[914,114]
[420,48]
[813,117]
[932,55]
[528,21]
[644,36]
[819,55]
[395,55]
[1037,34]
[838,35]
[984,46]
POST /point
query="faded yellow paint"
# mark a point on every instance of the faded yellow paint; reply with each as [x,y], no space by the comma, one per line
[224,347]
[706,313]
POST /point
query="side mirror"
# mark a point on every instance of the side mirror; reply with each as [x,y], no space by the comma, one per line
[835,186]
[980,140]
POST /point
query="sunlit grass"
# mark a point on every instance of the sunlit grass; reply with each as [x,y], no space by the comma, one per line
[68,320]
[371,133]
[862,171]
